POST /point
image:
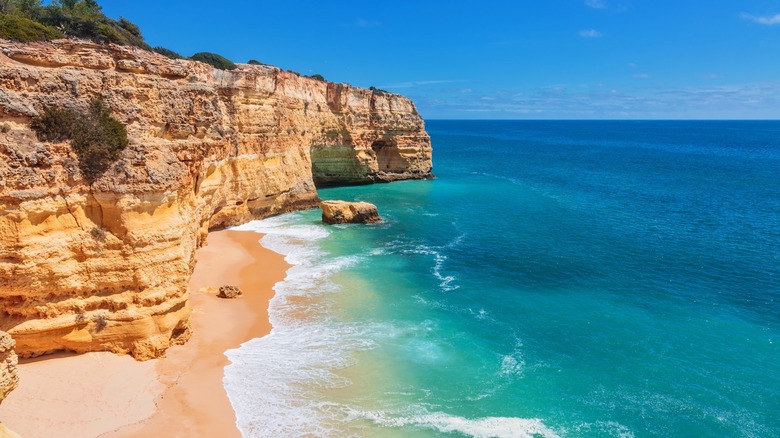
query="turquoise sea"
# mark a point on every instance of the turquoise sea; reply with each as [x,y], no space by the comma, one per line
[557,278]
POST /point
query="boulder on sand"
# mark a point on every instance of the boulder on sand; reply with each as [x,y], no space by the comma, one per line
[229,292]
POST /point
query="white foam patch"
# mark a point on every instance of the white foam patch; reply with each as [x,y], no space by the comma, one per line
[446,281]
[272,381]
[438,266]
[512,366]
[498,427]
[480,314]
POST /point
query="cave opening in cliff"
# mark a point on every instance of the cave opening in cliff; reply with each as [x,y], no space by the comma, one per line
[344,164]
[388,158]
[338,165]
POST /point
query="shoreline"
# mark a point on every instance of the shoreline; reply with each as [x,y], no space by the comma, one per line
[181,394]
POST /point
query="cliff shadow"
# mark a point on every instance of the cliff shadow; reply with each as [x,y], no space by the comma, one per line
[388,157]
[340,165]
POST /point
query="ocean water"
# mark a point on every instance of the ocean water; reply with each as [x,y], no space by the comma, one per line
[599,279]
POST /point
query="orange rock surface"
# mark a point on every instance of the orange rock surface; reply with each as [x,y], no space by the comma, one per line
[104,266]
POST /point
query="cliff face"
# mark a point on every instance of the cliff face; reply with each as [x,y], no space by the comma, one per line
[105,266]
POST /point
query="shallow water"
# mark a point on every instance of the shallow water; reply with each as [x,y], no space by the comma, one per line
[556,279]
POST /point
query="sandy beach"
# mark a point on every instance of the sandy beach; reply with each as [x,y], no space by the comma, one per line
[102,394]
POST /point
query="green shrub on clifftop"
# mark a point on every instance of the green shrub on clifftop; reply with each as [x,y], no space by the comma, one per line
[378,91]
[13,27]
[214,60]
[167,52]
[29,20]
[96,137]
[85,19]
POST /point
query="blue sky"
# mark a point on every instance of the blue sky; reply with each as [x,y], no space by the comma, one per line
[522,59]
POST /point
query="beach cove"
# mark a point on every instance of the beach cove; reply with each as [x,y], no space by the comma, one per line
[181,394]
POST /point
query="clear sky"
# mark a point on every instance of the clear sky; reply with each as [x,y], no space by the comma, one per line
[489,59]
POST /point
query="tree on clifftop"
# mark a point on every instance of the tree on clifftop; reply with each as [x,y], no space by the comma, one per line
[78,18]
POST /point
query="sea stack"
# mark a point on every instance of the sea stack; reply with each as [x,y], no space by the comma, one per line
[343,212]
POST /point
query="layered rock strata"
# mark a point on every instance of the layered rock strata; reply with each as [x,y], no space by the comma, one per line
[104,266]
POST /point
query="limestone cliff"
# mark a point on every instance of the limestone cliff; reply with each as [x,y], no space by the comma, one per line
[105,266]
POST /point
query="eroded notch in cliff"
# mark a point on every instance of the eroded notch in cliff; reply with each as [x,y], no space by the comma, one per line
[338,165]
[388,158]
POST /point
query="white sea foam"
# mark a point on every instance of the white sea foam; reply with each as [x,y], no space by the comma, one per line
[284,236]
[511,365]
[438,265]
[499,427]
[274,382]
[480,314]
[271,380]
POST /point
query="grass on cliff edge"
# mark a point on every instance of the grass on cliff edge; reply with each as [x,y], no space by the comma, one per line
[96,137]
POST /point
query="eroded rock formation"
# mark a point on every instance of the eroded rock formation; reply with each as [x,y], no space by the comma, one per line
[343,212]
[229,292]
[9,379]
[8,361]
[105,266]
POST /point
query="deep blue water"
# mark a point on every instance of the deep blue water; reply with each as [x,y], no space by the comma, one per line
[557,278]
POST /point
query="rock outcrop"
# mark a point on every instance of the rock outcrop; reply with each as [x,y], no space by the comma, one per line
[104,266]
[8,361]
[8,375]
[229,292]
[343,212]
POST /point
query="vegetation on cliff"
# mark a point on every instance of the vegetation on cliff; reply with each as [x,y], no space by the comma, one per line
[96,137]
[214,60]
[29,20]
[378,91]
[167,53]
[14,27]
